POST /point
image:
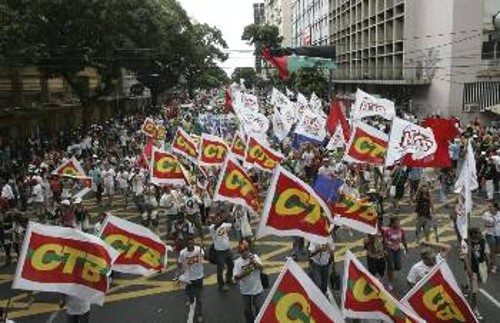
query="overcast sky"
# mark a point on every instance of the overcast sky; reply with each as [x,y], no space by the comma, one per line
[230,16]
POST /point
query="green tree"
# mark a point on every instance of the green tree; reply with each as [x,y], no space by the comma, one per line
[311,80]
[246,73]
[153,38]
[262,36]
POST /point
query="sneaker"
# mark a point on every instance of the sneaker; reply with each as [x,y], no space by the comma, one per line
[224,289]
[478,315]
[494,269]
[200,319]
[390,288]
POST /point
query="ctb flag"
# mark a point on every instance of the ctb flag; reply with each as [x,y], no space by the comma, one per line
[292,208]
[238,147]
[367,145]
[437,298]
[212,150]
[185,146]
[364,296]
[358,214]
[295,298]
[64,260]
[235,186]
[141,251]
[262,157]
[70,168]
[165,168]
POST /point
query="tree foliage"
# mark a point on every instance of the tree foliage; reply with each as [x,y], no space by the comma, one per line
[153,38]
[311,80]
[246,73]
[262,36]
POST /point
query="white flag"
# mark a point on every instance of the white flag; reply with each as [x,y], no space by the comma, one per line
[409,138]
[312,125]
[337,140]
[280,126]
[289,93]
[367,105]
[289,113]
[466,183]
[278,99]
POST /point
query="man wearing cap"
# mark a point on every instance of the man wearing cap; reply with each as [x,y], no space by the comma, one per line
[247,270]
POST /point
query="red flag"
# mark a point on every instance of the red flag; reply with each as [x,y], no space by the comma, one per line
[438,298]
[145,157]
[262,157]
[235,186]
[185,146]
[337,117]
[64,260]
[212,150]
[292,208]
[295,295]
[364,296]
[228,102]
[141,251]
[70,168]
[165,168]
[239,146]
[367,145]
[358,214]
[281,63]
[444,130]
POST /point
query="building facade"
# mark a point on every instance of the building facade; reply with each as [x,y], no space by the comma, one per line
[310,22]
[433,55]
[279,13]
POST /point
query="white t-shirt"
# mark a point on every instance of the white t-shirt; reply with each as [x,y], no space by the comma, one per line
[137,183]
[308,158]
[37,192]
[192,262]
[76,306]
[220,237]
[122,178]
[419,270]
[108,177]
[191,204]
[323,257]
[7,192]
[251,284]
[169,204]
[492,223]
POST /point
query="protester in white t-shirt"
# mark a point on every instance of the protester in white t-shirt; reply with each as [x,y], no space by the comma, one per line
[219,233]
[191,262]
[77,309]
[492,234]
[108,181]
[247,271]
[122,178]
[37,196]
[429,259]
[321,256]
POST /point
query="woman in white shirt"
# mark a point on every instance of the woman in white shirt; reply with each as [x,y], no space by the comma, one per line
[492,234]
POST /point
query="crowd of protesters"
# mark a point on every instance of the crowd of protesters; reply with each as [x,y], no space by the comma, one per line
[110,154]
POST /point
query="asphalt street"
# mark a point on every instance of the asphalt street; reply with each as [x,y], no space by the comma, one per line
[159,299]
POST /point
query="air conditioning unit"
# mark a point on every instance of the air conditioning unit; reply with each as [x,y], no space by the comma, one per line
[471,107]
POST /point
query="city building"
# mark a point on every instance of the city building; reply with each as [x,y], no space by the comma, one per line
[259,17]
[279,13]
[433,56]
[310,22]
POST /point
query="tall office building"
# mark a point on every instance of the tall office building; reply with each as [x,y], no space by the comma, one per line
[310,22]
[426,52]
[259,17]
[279,13]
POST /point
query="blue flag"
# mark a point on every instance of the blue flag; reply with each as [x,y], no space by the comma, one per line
[327,188]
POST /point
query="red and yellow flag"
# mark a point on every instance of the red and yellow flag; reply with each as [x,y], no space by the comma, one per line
[70,168]
[367,145]
[364,296]
[64,260]
[262,157]
[438,298]
[141,251]
[165,168]
[292,208]
[295,298]
[185,146]
[358,214]
[213,150]
[238,147]
[149,127]
[235,186]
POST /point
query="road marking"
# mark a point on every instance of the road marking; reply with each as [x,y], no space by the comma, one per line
[491,298]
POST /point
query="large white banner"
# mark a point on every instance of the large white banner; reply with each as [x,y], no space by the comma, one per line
[312,125]
[367,105]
